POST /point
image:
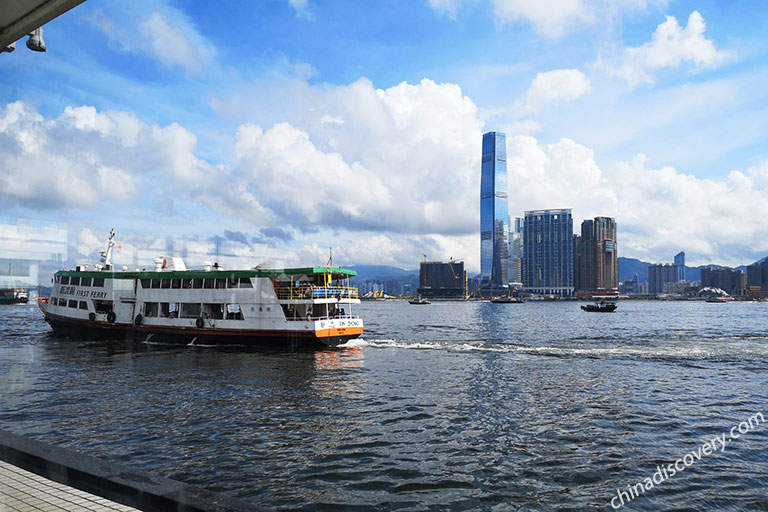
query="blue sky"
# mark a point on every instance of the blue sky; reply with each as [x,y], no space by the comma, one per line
[290,126]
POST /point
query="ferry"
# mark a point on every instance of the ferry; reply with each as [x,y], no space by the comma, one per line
[13,296]
[291,308]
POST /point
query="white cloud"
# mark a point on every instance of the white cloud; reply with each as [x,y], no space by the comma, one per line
[302,8]
[550,17]
[155,29]
[447,6]
[169,43]
[399,160]
[659,211]
[554,18]
[86,159]
[560,85]
[671,46]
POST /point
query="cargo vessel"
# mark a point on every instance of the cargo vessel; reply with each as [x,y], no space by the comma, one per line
[291,308]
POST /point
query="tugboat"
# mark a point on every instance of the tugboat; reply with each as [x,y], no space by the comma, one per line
[602,306]
[290,308]
[419,301]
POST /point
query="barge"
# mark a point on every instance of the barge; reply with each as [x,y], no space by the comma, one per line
[289,308]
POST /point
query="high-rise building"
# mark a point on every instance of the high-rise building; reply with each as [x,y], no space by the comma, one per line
[730,280]
[442,280]
[596,267]
[516,251]
[659,274]
[680,262]
[548,252]
[494,250]
[757,279]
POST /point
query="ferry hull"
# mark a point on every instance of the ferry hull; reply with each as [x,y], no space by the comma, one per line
[291,340]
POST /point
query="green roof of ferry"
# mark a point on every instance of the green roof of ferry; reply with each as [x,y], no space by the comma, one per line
[208,274]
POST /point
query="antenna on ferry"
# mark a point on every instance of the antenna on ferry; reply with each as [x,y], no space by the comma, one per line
[330,257]
[106,256]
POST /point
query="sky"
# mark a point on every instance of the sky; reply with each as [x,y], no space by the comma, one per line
[284,128]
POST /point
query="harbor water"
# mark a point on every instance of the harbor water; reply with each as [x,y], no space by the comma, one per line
[447,406]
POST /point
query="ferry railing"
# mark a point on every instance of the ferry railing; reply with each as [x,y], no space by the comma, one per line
[315,292]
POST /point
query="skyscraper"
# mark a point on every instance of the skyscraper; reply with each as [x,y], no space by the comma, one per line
[548,252]
[516,250]
[494,251]
[680,262]
[596,257]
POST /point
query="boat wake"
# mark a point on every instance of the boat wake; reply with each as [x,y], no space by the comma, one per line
[724,349]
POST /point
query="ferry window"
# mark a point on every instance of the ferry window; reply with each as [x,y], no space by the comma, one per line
[186,283]
[64,279]
[74,281]
[176,283]
[86,281]
[208,283]
[190,310]
[83,305]
[169,310]
[57,278]
[215,311]
[232,282]
[102,306]
[221,283]
[166,283]
[150,308]
[72,304]
[155,283]
[234,312]
[146,283]
[245,282]
[197,283]
[98,282]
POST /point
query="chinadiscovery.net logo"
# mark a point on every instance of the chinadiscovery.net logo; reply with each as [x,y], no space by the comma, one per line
[664,473]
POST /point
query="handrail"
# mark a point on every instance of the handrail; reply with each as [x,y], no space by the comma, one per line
[315,292]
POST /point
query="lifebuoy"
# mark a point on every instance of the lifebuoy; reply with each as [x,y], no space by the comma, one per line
[200,323]
[91,316]
[111,317]
[138,319]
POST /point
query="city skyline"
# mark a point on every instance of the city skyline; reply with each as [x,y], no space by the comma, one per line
[285,127]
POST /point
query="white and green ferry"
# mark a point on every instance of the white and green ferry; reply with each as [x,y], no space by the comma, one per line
[290,308]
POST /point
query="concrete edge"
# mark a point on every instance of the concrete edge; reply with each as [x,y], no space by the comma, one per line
[115,482]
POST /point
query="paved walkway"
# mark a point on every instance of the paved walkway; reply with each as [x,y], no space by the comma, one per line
[22,491]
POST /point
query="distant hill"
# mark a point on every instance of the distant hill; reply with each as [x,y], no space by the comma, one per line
[365,272]
[628,267]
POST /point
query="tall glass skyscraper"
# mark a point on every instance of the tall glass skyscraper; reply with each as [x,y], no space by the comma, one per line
[494,250]
[680,262]
[548,256]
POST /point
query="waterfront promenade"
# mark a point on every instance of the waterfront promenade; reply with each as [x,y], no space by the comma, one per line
[23,491]
[40,477]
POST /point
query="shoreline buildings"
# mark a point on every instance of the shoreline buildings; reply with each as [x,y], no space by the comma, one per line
[540,253]
[494,214]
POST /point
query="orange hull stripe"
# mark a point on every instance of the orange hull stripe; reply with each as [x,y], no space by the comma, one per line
[340,331]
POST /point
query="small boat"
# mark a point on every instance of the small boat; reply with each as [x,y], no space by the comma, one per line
[600,307]
[724,298]
[418,301]
[507,300]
